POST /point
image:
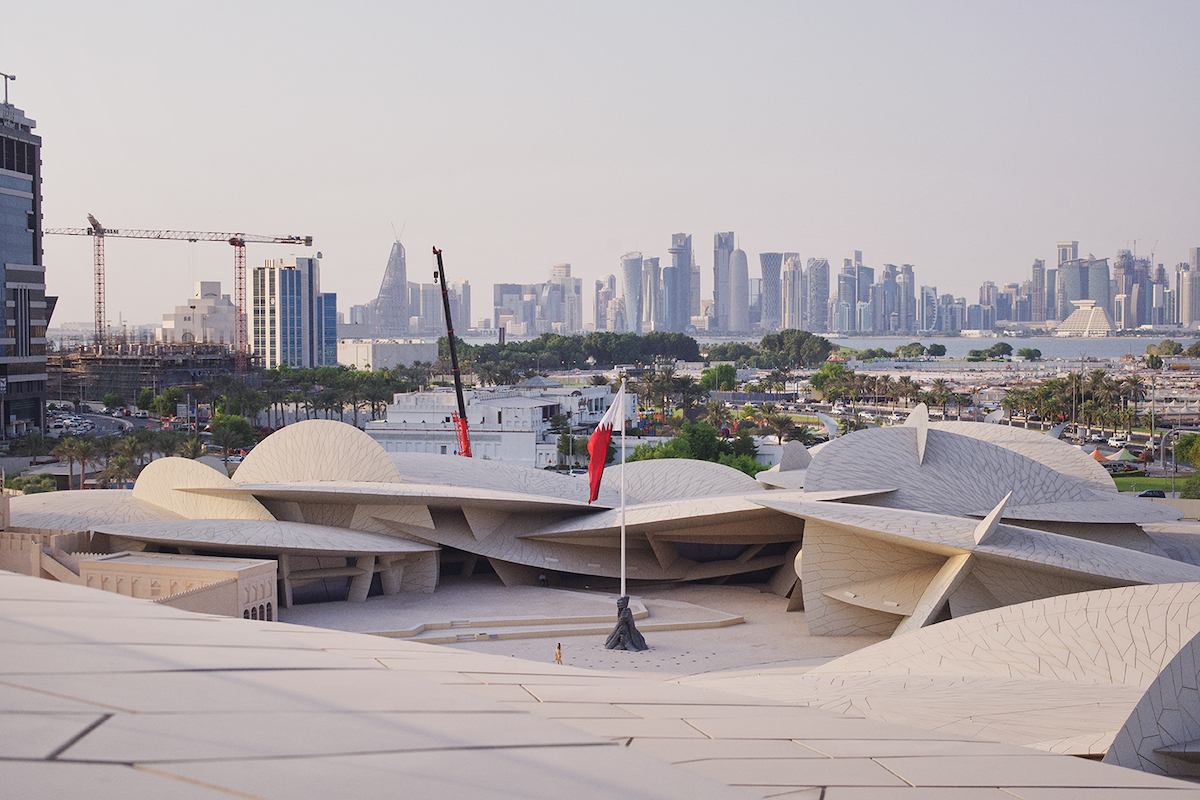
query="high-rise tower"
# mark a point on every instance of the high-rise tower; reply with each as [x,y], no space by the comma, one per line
[287,323]
[791,282]
[389,311]
[723,247]
[818,295]
[23,359]
[631,289]
[652,308]
[739,292]
[677,284]
[1037,292]
[771,264]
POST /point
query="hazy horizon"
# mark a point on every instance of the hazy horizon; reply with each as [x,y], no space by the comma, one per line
[963,138]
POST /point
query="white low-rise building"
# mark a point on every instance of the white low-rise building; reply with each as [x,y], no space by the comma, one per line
[384,353]
[207,318]
[507,423]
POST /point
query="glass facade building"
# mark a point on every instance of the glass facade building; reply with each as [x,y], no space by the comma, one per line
[288,325]
[27,309]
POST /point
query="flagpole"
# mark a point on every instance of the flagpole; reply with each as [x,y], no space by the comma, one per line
[624,427]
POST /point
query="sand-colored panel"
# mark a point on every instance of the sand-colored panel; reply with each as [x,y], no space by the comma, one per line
[317,450]
[164,482]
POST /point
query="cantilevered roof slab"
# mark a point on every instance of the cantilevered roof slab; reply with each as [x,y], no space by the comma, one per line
[946,535]
[82,510]
[437,496]
[264,537]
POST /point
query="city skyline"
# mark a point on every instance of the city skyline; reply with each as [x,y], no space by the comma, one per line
[963,140]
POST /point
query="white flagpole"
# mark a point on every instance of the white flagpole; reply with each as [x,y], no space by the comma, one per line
[623,428]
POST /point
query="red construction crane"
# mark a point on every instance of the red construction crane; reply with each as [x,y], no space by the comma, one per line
[98,233]
[460,418]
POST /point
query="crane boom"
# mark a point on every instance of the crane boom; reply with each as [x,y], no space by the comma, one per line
[99,233]
[460,418]
[187,236]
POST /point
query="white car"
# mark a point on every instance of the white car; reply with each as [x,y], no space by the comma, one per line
[1117,442]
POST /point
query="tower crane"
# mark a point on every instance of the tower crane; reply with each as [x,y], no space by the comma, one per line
[240,342]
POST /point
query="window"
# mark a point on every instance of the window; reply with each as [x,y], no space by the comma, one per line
[246,614]
[269,615]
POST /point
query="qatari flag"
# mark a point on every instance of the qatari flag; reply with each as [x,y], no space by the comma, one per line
[598,444]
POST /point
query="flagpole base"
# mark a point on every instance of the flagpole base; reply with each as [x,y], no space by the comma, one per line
[625,635]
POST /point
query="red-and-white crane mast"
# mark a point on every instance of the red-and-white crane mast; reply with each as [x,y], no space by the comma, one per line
[241,344]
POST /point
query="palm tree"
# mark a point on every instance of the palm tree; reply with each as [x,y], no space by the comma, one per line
[192,447]
[119,470]
[86,452]
[227,440]
[665,385]
[906,388]
[941,393]
[804,435]
[779,424]
[126,449]
[716,413]
[1013,399]
[1134,389]
[487,372]
[68,449]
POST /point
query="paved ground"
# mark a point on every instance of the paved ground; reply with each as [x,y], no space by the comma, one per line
[103,696]
[771,636]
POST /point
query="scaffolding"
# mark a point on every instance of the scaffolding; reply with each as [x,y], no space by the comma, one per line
[80,374]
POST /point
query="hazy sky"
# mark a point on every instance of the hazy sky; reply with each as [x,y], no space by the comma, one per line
[965,138]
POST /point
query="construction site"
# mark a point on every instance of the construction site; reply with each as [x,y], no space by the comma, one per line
[83,374]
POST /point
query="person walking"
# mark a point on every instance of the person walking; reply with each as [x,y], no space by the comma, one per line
[558,654]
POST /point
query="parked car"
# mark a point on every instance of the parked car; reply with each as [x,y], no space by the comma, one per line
[1153,493]
[1096,437]
[1117,442]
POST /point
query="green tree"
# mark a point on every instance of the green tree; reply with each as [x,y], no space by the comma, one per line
[32,484]
[192,447]
[936,350]
[168,400]
[1030,353]
[1167,347]
[1153,361]
[574,448]
[67,450]
[113,400]
[145,399]
[229,433]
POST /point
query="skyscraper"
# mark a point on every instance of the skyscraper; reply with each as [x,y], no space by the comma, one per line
[389,311]
[631,290]
[739,292]
[23,359]
[1037,292]
[287,324]
[328,314]
[818,295]
[1097,283]
[906,298]
[677,284]
[791,283]
[652,308]
[847,300]
[771,264]
[1067,284]
[723,246]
